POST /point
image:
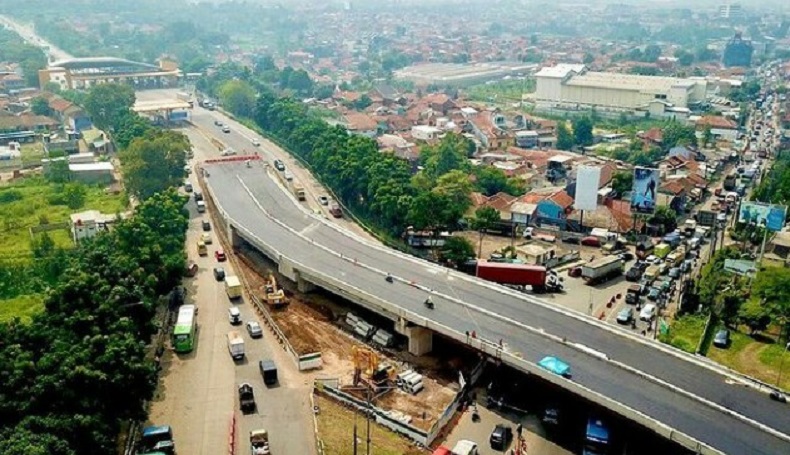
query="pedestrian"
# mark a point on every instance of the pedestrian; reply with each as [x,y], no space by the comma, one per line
[474,334]
[518,430]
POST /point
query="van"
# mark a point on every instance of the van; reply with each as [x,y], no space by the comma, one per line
[233,287]
[202,249]
[201,206]
[268,371]
[235,345]
[288,176]
[157,438]
[188,187]
[465,447]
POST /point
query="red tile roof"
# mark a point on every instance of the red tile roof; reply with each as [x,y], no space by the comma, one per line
[360,122]
[562,199]
[654,135]
[715,121]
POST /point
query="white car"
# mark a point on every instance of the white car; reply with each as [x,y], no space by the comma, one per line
[228,152]
[653,259]
[648,312]
[256,142]
[254,329]
[234,315]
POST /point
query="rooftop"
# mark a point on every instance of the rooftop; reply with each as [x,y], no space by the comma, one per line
[560,71]
[629,81]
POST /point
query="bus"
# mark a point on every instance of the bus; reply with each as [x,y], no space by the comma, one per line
[184,331]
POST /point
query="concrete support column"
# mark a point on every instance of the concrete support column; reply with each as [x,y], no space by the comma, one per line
[235,239]
[303,285]
[420,340]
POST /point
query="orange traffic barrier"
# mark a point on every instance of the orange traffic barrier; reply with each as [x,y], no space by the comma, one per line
[602,315]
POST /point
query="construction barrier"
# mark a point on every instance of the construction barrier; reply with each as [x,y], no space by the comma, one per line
[233,158]
[232,435]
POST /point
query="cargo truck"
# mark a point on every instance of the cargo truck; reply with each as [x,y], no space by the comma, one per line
[602,269]
[297,189]
[536,276]
[233,287]
[235,345]
[259,442]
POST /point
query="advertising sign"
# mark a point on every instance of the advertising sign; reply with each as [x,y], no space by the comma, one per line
[645,190]
[587,181]
[740,267]
[772,217]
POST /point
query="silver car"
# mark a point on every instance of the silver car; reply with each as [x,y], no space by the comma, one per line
[254,329]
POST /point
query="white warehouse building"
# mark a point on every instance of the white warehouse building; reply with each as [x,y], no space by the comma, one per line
[573,87]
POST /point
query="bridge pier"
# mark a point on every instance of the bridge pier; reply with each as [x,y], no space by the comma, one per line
[235,239]
[420,338]
[303,285]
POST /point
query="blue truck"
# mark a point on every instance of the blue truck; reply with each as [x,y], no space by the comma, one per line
[596,438]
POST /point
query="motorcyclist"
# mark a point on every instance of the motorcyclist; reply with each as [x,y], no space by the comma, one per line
[429,302]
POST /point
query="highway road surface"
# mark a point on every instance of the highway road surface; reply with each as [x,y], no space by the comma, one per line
[197,393]
[27,32]
[666,385]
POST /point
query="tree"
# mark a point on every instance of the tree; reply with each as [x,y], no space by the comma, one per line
[263,63]
[448,155]
[707,136]
[674,134]
[564,137]
[154,162]
[131,127]
[685,58]
[108,104]
[362,103]
[665,217]
[238,97]
[457,250]
[40,106]
[622,182]
[755,316]
[583,131]
[485,218]
[772,286]
[324,92]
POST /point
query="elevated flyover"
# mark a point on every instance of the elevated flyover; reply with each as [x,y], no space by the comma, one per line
[675,394]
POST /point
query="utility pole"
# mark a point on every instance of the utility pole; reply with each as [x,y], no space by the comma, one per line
[367,418]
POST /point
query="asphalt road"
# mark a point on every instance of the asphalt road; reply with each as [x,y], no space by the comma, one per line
[716,428]
[197,394]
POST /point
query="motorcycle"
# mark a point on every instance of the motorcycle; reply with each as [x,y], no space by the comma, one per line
[429,303]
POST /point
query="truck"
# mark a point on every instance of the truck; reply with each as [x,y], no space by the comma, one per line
[235,345]
[596,437]
[233,287]
[246,398]
[259,442]
[465,447]
[613,246]
[538,277]
[688,227]
[602,269]
[157,439]
[652,273]
[268,371]
[297,189]
[729,182]
[662,250]
[676,257]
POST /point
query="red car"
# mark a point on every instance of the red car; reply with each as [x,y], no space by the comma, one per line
[575,272]
[219,255]
[591,241]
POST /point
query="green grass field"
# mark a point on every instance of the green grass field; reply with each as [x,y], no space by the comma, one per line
[759,357]
[685,332]
[23,307]
[502,92]
[29,202]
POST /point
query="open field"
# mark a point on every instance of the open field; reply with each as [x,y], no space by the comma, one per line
[685,332]
[336,430]
[32,201]
[758,356]
[24,307]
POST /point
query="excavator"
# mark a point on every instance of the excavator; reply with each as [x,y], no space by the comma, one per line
[369,371]
[272,294]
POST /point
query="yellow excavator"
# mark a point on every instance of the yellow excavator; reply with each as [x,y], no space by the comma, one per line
[274,295]
[369,370]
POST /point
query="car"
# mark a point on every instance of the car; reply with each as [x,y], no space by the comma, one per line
[500,437]
[206,225]
[652,259]
[219,273]
[654,293]
[187,169]
[234,315]
[279,165]
[217,123]
[219,255]
[575,272]
[645,283]
[641,265]
[256,142]
[187,187]
[625,316]
[721,217]
[555,365]
[633,295]
[228,152]
[323,200]
[663,268]
[591,241]
[722,338]
[648,312]
[206,238]
[675,272]
[198,196]
[192,268]
[226,129]
[573,239]
[626,256]
[633,274]
[254,329]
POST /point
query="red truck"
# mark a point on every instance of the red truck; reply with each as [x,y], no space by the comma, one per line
[536,276]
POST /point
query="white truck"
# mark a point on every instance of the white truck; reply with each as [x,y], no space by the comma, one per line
[259,442]
[233,287]
[602,269]
[235,345]
[465,447]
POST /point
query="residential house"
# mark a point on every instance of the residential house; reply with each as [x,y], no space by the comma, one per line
[84,225]
[425,132]
[652,137]
[10,82]
[362,124]
[720,127]
[26,122]
[527,139]
[492,137]
[552,206]
[778,250]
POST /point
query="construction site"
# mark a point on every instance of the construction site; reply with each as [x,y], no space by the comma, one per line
[416,390]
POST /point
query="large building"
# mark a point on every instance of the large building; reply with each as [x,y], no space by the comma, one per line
[573,87]
[730,11]
[81,73]
[460,74]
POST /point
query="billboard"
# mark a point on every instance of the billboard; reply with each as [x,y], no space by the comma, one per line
[588,179]
[645,190]
[740,267]
[772,217]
